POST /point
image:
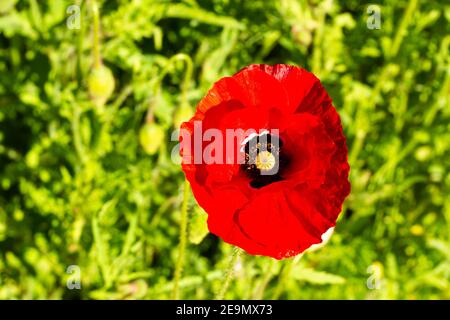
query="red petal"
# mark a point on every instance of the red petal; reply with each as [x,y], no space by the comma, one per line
[263,90]
[309,149]
[226,89]
[282,223]
[297,82]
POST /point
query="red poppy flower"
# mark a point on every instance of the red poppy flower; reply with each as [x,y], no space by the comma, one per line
[287,211]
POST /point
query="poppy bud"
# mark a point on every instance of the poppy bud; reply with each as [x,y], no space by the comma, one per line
[101,84]
[151,136]
[183,113]
[423,153]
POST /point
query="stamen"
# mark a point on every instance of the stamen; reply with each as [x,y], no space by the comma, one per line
[265,160]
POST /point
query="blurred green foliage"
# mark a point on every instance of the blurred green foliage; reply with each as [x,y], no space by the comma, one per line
[89,183]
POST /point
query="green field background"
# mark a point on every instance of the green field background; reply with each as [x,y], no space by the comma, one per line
[91,183]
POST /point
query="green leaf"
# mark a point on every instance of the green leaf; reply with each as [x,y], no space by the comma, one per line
[316,277]
[185,12]
[440,246]
[198,226]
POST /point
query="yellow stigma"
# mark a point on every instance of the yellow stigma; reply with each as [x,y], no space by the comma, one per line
[265,160]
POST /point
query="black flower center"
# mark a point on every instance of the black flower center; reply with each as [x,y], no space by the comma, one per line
[264,160]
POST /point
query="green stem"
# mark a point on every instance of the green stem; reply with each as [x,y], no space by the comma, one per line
[80,39]
[284,276]
[229,273]
[187,75]
[403,28]
[183,240]
[361,134]
[155,85]
[95,12]
[77,141]
[317,45]
[268,274]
